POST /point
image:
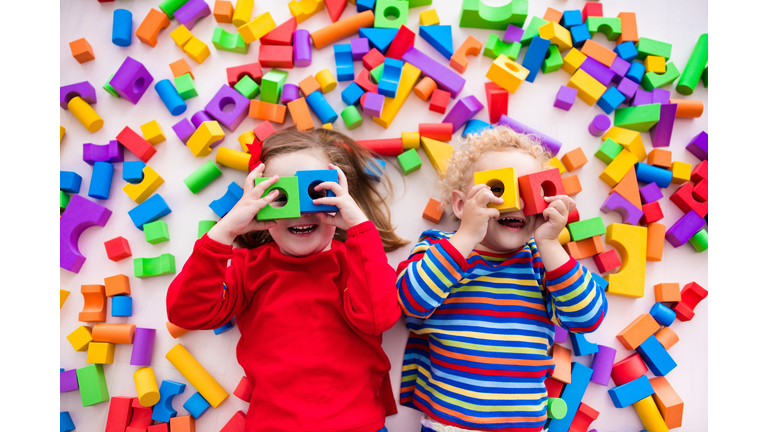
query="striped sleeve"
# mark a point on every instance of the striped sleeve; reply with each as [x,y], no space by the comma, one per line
[574,300]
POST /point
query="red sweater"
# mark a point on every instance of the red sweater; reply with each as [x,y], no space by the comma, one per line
[310,328]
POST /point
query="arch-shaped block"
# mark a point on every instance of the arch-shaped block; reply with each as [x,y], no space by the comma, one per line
[149,184]
[531,184]
[79,215]
[112,152]
[477,14]
[84,90]
[163,410]
[631,243]
[94,304]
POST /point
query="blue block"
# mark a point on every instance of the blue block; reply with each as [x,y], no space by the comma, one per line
[380,38]
[663,314]
[345,69]
[69,181]
[374,171]
[474,126]
[652,174]
[602,283]
[65,422]
[390,77]
[352,94]
[307,181]
[122,27]
[364,5]
[196,405]
[163,410]
[439,36]
[170,97]
[656,356]
[581,346]
[610,100]
[571,18]
[223,205]
[321,107]
[579,35]
[149,211]
[133,172]
[101,180]
[631,392]
[572,395]
[636,72]
[122,306]
[534,58]
[225,328]
[626,50]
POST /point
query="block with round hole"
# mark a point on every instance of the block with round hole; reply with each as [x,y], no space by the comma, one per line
[504,179]
[219,107]
[390,14]
[307,181]
[286,205]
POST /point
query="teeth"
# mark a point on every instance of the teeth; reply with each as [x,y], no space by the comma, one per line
[302,227]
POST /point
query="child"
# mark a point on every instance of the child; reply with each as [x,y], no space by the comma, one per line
[311,301]
[481,302]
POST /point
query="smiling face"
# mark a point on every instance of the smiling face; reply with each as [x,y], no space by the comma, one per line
[306,235]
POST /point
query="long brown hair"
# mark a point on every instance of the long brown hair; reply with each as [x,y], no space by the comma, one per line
[352,159]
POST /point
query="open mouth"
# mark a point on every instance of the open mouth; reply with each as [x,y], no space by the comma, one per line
[302,229]
[512,223]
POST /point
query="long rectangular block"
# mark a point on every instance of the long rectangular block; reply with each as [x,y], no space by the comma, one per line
[631,392]
[572,395]
[587,228]
[445,78]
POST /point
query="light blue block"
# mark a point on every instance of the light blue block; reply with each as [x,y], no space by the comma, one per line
[579,35]
[345,69]
[309,179]
[626,50]
[652,174]
[636,72]
[149,211]
[390,77]
[439,36]
[631,392]
[133,171]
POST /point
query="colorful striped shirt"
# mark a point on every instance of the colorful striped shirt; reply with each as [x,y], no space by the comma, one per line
[481,327]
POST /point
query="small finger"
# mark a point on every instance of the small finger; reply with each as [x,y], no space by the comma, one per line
[259,189]
[333,187]
[249,180]
[342,177]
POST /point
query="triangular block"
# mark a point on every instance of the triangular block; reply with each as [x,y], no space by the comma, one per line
[439,153]
[628,188]
[439,36]
[380,38]
[280,35]
[335,8]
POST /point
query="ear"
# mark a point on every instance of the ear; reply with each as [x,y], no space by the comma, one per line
[458,199]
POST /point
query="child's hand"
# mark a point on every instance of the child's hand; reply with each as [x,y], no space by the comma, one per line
[242,218]
[476,215]
[551,222]
[349,213]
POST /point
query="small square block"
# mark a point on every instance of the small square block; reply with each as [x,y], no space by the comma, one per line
[223,11]
[81,50]
[513,34]
[409,161]
[667,292]
[565,98]
[608,151]
[117,285]
[117,248]
[247,87]
[650,193]
[429,17]
[571,184]
[574,159]
[360,47]
[181,67]
[100,353]
[373,104]
[185,86]
[651,213]
[660,158]
[433,212]
[681,172]
[439,101]
[81,337]
[655,64]
[156,232]
[607,261]
[373,59]
[610,100]
[152,132]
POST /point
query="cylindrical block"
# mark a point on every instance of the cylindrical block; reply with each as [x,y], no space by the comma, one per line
[326,80]
[341,29]
[242,13]
[629,369]
[199,117]
[170,97]
[424,88]
[232,158]
[436,131]
[290,93]
[556,408]
[352,117]
[695,67]
[321,107]
[667,337]
[143,345]
[146,386]
[602,364]
[651,174]
[203,176]
[564,237]
[113,333]
[688,108]
[85,114]
[122,27]
[174,330]
[302,50]
[650,416]
[196,374]
[411,140]
[384,147]
[599,125]
[101,180]
[663,314]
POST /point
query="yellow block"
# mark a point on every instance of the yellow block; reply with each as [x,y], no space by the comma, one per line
[564,237]
[152,132]
[630,242]
[245,139]
[392,106]
[257,28]
[555,163]
[557,34]
[208,133]
[573,60]
[681,172]
[326,80]
[650,416]
[618,168]
[629,139]
[100,353]
[197,50]
[589,89]
[85,113]
[63,294]
[80,338]
[508,178]
[181,35]
[439,153]
[304,9]
[141,191]
[232,158]
[655,64]
[328,126]
[411,140]
[507,73]
[196,374]
[146,386]
[242,13]
[429,17]
[61,130]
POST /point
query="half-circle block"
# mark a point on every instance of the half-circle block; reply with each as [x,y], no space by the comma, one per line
[94,304]
[631,242]
[112,152]
[629,213]
[531,185]
[149,184]
[79,215]
[163,410]
[151,26]
[83,90]
[477,14]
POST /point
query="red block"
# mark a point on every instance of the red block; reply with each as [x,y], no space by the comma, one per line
[400,44]
[554,387]
[531,186]
[363,79]
[243,390]
[119,415]
[690,297]
[373,59]
[280,35]
[700,172]
[236,423]
[607,261]
[236,73]
[142,417]
[436,131]
[160,427]
[335,8]
[584,417]
[276,56]
[440,100]
[701,191]
[591,9]
[117,249]
[573,216]
[629,369]
[136,144]
[651,213]
[498,101]
[263,130]
[384,147]
[683,198]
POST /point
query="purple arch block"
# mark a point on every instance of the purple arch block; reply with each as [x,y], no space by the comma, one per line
[192,11]
[80,214]
[629,213]
[131,80]
[83,89]
[464,109]
[550,144]
[112,152]
[227,96]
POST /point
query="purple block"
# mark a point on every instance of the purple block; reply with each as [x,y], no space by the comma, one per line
[685,228]
[599,125]
[68,381]
[463,110]
[597,70]
[228,107]
[513,34]
[661,132]
[112,152]
[143,346]
[360,48]
[602,365]
[290,93]
[199,117]
[192,11]
[629,213]
[565,98]
[660,96]
[83,89]
[561,334]
[627,87]
[184,129]
[445,78]
[642,97]
[80,214]
[302,49]
[620,66]
[699,146]
[131,80]
[373,104]
[550,144]
[650,193]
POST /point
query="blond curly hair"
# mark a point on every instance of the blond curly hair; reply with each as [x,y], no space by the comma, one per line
[497,138]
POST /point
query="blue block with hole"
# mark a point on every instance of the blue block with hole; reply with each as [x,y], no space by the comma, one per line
[571,18]
[581,346]
[579,35]
[122,306]
[149,211]
[133,171]
[610,100]
[364,5]
[636,72]
[312,178]
[352,94]
[626,50]
[70,181]
[196,405]
[223,205]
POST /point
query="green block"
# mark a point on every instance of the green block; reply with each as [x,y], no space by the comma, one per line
[376,73]
[553,61]
[705,77]
[494,47]
[390,14]
[409,161]
[351,117]
[652,80]
[185,85]
[289,186]
[165,264]
[156,232]
[610,27]
[231,42]
[417,3]
[93,385]
[202,177]
[476,14]
[556,408]
[637,118]
[63,200]
[272,85]
[532,30]
[203,227]
[586,228]
[700,241]
[171,6]
[111,90]
[608,151]
[247,87]
[646,47]
[695,67]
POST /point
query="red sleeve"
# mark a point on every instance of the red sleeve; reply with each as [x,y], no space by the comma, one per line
[370,297]
[196,299]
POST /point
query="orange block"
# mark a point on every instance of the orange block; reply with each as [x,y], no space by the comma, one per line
[629,189]
[655,248]
[181,67]
[660,158]
[342,28]
[424,88]
[434,211]
[667,292]
[638,331]
[585,248]
[669,402]
[553,15]
[471,46]
[223,11]
[117,285]
[174,330]
[81,50]
[309,85]
[667,337]
[562,357]
[151,26]
[267,111]
[598,52]
[687,108]
[628,28]
[571,184]
[183,423]
[574,159]
[94,304]
[113,333]
[300,114]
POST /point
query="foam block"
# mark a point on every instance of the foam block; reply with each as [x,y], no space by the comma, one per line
[669,404]
[572,395]
[630,242]
[602,364]
[508,180]
[445,78]
[631,392]
[93,385]
[79,215]
[656,356]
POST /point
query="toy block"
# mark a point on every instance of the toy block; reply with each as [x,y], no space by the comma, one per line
[572,395]
[552,15]
[80,338]
[159,427]
[243,390]
[136,144]
[610,100]
[687,108]
[181,36]
[574,159]
[471,46]
[607,261]
[580,35]
[628,29]
[474,126]
[602,283]
[464,109]
[390,77]
[63,294]
[372,104]
[556,408]
[237,73]
[288,187]
[477,14]
[584,417]
[149,28]
[445,78]
[233,159]
[638,118]
[681,172]
[290,93]
[630,242]
[70,181]
[163,410]
[63,201]
[561,334]
[690,297]
[603,74]
[505,179]
[242,12]
[439,101]
[383,147]
[618,168]
[599,124]
[169,7]
[182,424]
[534,57]
[197,50]
[670,405]
[660,158]
[304,9]
[549,143]
[498,100]
[610,27]
[343,28]
[202,228]
[602,364]
[148,211]
[556,34]
[86,115]
[655,64]
[196,405]
[156,232]
[646,47]
[589,89]
[321,107]
[141,418]
[561,357]
[282,34]
[81,50]
[237,104]
[436,131]
[191,12]
[149,267]
[143,344]
[695,66]
[409,161]
[390,14]
[651,213]
[494,47]
[225,328]
[307,180]
[146,388]
[335,8]
[571,18]
[279,56]
[655,249]
[208,134]
[267,111]
[699,146]
[428,18]
[636,73]
[554,387]
[131,80]
[272,85]
[94,304]
[439,153]
[65,422]
[598,52]
[581,346]
[591,10]
[641,97]
[631,392]
[197,376]
[628,370]
[117,285]
[247,87]
[403,40]
[257,28]
[380,38]
[101,180]
[573,61]
[84,90]
[649,415]
[700,192]
[667,292]
[553,61]
[571,185]
[411,140]
[122,306]
[149,184]
[581,230]
[628,189]
[651,174]
[223,11]
[117,248]
[223,205]
[80,215]
[433,212]
[92,384]
[565,98]
[638,331]
[585,248]
[629,89]
[180,68]
[351,116]
[100,353]
[651,81]
[408,80]
[662,314]
[232,42]
[152,132]
[119,415]
[372,59]
[425,88]
[300,113]
[530,185]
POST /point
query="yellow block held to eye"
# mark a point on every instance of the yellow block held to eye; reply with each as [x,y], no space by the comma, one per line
[506,180]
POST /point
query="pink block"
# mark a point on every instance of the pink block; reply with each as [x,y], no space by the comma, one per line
[80,214]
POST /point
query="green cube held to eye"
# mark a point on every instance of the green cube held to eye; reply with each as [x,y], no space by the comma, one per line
[156,232]
[289,188]
[409,161]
